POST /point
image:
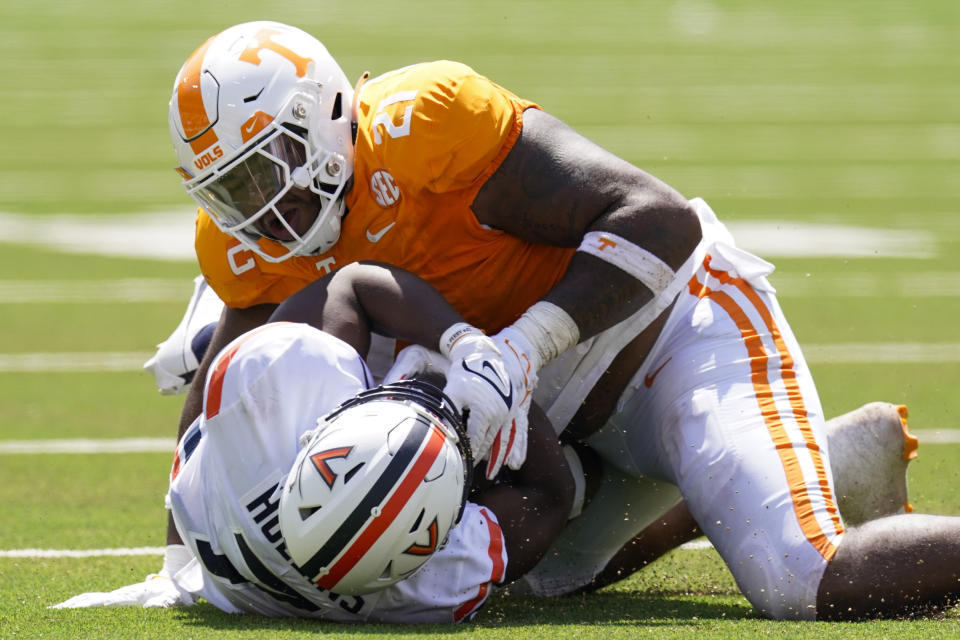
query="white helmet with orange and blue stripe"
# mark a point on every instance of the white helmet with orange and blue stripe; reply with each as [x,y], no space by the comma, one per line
[261,122]
[376,488]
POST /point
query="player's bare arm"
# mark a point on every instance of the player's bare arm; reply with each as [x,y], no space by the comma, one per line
[364,297]
[555,185]
[533,506]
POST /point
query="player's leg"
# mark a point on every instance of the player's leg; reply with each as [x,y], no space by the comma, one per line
[733,418]
[668,532]
[870,449]
[619,507]
[895,565]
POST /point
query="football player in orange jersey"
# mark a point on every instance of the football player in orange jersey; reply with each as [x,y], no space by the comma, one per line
[652,335]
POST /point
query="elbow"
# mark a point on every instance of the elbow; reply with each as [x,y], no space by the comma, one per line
[681,232]
[669,227]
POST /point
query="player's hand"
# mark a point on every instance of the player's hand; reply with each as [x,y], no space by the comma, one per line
[478,380]
[510,445]
[156,591]
[413,360]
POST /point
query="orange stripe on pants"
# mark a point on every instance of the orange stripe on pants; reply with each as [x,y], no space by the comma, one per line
[800,496]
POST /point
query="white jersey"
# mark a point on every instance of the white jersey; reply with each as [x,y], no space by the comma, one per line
[263,392]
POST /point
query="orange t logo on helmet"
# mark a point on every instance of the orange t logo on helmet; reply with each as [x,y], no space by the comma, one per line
[193,115]
[262,41]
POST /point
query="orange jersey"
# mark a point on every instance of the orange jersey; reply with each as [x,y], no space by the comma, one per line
[429,136]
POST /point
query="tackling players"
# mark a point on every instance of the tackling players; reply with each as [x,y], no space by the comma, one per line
[652,335]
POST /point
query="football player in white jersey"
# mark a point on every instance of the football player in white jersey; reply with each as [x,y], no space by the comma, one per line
[363,514]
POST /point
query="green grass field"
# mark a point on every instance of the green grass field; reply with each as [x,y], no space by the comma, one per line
[816,113]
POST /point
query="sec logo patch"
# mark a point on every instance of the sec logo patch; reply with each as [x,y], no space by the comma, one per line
[384,188]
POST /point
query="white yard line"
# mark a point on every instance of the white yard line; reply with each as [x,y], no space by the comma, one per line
[166,445]
[160,235]
[882,352]
[861,284]
[73,362]
[838,353]
[95,291]
[80,553]
[168,235]
[695,545]
[850,284]
[87,445]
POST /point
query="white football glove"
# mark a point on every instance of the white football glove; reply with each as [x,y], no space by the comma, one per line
[155,591]
[481,381]
[159,590]
[510,446]
[413,360]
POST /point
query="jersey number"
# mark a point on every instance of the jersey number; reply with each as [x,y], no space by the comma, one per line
[381,117]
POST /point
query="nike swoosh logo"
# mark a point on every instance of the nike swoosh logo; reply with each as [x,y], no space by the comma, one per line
[253,124]
[375,237]
[648,379]
[507,397]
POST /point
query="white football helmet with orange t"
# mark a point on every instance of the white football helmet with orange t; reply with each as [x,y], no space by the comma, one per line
[259,111]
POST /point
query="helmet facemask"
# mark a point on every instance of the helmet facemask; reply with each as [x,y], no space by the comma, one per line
[242,197]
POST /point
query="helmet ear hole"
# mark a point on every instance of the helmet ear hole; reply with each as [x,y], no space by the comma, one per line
[351,473]
[416,525]
[309,511]
[337,107]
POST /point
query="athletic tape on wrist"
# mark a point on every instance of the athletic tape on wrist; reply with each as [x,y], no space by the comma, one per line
[549,329]
[454,333]
[653,272]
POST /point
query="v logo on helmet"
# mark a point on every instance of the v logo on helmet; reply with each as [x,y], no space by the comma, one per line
[430,547]
[319,461]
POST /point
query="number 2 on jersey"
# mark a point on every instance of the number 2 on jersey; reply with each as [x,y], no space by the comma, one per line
[381,117]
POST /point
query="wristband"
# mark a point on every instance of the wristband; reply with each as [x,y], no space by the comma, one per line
[454,333]
[550,331]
